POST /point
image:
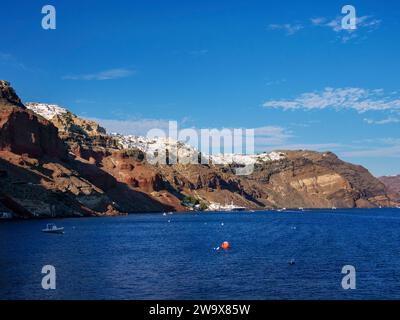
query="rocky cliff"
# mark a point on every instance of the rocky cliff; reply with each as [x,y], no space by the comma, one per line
[53,163]
[8,97]
[392,184]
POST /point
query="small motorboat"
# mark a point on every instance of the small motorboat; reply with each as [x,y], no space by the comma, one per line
[52,228]
[6,215]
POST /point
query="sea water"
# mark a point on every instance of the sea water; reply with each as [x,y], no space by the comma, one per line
[151,256]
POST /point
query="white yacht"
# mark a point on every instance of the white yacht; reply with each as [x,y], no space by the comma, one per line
[52,228]
[226,208]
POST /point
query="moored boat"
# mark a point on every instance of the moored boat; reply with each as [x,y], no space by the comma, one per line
[6,215]
[52,228]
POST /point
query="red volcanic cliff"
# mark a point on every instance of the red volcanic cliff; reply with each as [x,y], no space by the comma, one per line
[23,132]
[67,166]
[41,176]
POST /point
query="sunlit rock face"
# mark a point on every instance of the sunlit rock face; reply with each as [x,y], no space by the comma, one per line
[54,163]
[393,186]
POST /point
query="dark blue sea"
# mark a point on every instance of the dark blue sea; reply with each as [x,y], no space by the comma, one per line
[151,256]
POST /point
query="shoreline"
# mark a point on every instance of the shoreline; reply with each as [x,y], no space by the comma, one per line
[286,210]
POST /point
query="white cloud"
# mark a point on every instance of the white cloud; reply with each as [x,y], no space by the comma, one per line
[335,25]
[392,151]
[320,147]
[359,99]
[366,23]
[290,29]
[318,21]
[102,75]
[377,141]
[10,60]
[311,146]
[275,82]
[268,136]
[138,127]
[264,137]
[374,148]
[387,120]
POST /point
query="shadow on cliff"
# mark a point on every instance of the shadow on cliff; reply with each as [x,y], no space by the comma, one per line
[127,199]
[19,184]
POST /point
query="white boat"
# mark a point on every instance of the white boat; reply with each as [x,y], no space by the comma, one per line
[52,228]
[6,215]
[334,208]
[225,208]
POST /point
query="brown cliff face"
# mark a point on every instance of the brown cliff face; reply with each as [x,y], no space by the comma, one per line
[22,132]
[39,178]
[303,179]
[80,170]
[8,95]
[392,184]
[69,123]
[313,179]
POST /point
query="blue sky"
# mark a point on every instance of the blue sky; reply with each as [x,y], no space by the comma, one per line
[284,67]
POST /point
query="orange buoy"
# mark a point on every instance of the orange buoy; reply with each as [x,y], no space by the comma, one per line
[225,245]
